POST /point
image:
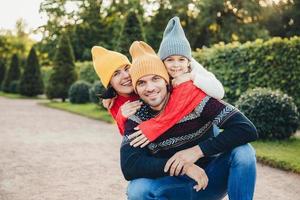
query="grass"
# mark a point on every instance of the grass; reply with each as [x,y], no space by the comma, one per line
[280,154]
[89,110]
[16,96]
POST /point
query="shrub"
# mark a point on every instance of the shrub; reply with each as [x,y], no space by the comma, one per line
[87,72]
[274,64]
[95,90]
[13,73]
[64,74]
[273,113]
[46,73]
[79,92]
[2,71]
[31,83]
[14,87]
[132,30]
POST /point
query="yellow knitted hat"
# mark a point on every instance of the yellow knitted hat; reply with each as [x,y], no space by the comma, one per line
[145,62]
[106,62]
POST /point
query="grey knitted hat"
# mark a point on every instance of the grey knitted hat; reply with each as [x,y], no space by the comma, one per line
[174,41]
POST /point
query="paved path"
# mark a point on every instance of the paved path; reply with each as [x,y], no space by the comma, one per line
[47,154]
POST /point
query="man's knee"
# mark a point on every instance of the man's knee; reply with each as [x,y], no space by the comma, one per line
[243,155]
[138,189]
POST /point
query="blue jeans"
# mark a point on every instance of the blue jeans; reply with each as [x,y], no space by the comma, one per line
[231,173]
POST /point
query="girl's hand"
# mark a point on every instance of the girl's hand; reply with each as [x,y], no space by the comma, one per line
[197,174]
[139,139]
[181,79]
[130,108]
[108,103]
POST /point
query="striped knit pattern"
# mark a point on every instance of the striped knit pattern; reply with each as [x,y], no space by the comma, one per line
[190,131]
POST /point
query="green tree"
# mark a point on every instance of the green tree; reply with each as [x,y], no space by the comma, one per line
[64,74]
[31,83]
[132,30]
[13,73]
[2,71]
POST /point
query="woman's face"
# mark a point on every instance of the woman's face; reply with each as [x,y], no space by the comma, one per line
[176,65]
[121,81]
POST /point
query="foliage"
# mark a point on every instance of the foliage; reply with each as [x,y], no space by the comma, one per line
[281,19]
[79,92]
[274,114]
[2,72]
[132,30]
[283,154]
[46,72]
[86,71]
[64,74]
[14,87]
[89,110]
[96,90]
[273,64]
[13,73]
[31,83]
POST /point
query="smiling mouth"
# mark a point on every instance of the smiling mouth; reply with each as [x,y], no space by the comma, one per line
[127,83]
[176,71]
[152,95]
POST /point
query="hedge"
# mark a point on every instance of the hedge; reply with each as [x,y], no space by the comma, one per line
[274,64]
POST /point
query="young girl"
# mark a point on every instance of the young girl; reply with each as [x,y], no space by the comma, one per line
[174,44]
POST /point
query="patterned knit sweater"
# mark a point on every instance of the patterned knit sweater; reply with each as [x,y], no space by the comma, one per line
[193,129]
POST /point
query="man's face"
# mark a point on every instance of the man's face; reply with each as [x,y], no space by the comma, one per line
[153,90]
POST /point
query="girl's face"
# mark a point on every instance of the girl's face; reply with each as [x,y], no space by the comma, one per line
[176,65]
[121,81]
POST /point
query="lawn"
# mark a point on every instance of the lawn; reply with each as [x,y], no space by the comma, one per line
[11,96]
[89,110]
[280,154]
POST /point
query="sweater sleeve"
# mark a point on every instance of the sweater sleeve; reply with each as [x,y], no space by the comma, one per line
[183,100]
[237,130]
[206,80]
[136,162]
[120,119]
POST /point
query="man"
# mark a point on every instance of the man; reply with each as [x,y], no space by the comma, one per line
[214,165]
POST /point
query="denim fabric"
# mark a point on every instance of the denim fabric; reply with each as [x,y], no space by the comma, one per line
[232,173]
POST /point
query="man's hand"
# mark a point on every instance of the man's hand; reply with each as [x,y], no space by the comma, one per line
[108,103]
[130,108]
[176,163]
[181,79]
[139,139]
[197,174]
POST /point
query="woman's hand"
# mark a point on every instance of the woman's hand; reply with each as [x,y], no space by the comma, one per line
[130,108]
[177,162]
[181,79]
[108,103]
[139,139]
[197,174]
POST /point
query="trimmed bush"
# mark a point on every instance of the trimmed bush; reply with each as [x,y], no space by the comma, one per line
[79,92]
[31,83]
[46,74]
[132,30]
[274,64]
[14,87]
[273,113]
[64,74]
[2,71]
[95,90]
[13,73]
[87,72]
